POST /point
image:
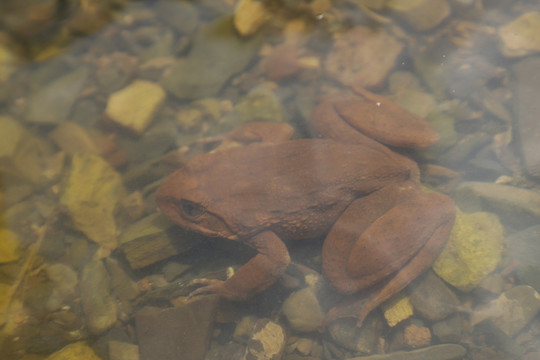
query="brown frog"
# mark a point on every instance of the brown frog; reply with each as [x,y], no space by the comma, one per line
[381,229]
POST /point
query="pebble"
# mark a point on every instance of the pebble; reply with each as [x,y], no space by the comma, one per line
[78,350]
[260,104]
[521,36]
[52,103]
[511,311]
[267,341]
[415,336]
[65,280]
[303,311]
[123,351]
[527,73]
[421,14]
[91,194]
[180,333]
[473,250]
[134,106]
[362,339]
[397,309]
[515,206]
[448,330]
[123,287]
[98,304]
[432,299]
[182,16]
[250,15]
[244,329]
[436,352]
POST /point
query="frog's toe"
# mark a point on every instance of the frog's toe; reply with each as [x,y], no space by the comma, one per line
[210,286]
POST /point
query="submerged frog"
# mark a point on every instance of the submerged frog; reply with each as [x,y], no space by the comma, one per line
[382,230]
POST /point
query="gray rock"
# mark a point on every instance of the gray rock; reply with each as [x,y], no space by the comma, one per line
[52,103]
[364,339]
[448,330]
[180,15]
[526,108]
[436,352]
[303,311]
[123,351]
[432,299]
[217,54]
[511,311]
[181,333]
[65,280]
[515,206]
[98,305]
[122,285]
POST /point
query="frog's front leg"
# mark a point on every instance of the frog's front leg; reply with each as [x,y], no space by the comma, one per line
[386,240]
[257,274]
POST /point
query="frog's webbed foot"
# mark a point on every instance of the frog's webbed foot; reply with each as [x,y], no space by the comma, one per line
[209,286]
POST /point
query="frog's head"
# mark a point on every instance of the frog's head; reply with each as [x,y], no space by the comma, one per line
[181,199]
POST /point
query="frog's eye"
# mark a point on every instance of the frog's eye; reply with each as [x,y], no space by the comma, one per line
[191,209]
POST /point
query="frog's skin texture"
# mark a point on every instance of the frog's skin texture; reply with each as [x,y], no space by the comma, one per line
[382,230]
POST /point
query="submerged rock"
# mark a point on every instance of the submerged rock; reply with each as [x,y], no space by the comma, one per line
[421,14]
[260,104]
[521,36]
[473,250]
[9,246]
[267,341]
[216,55]
[303,311]
[78,350]
[250,15]
[52,103]
[92,190]
[134,106]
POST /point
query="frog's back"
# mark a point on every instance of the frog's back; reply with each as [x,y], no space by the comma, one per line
[294,180]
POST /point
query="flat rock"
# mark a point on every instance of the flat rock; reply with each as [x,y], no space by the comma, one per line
[78,350]
[473,250]
[91,193]
[515,206]
[436,352]
[524,249]
[363,57]
[216,55]
[526,107]
[180,333]
[52,103]
[134,106]
[521,36]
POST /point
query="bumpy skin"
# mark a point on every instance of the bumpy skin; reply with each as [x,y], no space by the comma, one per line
[382,230]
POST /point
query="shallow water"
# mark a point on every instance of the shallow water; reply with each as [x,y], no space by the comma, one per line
[100,102]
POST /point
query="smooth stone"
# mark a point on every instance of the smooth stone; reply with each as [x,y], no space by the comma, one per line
[98,304]
[511,311]
[216,55]
[432,299]
[250,15]
[91,194]
[267,341]
[180,333]
[123,351]
[78,350]
[516,206]
[421,14]
[436,352]
[355,58]
[134,106]
[525,98]
[473,250]
[73,138]
[65,280]
[303,311]
[521,36]
[52,103]
[260,104]
[10,250]
[244,329]
[123,287]
[448,330]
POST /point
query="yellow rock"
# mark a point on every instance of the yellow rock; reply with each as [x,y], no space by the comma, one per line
[91,193]
[250,15]
[473,250]
[9,246]
[397,309]
[521,36]
[78,350]
[134,106]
